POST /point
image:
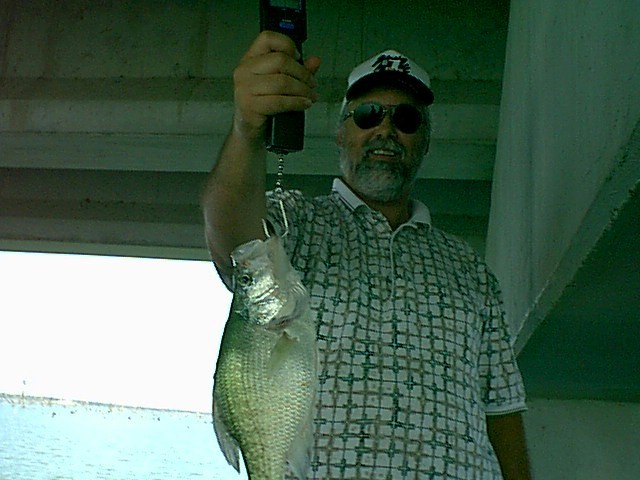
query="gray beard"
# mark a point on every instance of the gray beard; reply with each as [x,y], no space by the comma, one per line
[378,180]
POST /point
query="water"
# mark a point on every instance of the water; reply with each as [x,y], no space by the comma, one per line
[42,440]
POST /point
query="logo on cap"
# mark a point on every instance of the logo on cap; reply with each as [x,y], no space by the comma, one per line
[391,63]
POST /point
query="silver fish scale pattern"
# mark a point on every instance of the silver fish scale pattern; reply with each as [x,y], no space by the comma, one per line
[265,407]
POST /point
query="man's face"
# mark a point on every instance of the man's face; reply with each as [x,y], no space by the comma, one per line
[381,163]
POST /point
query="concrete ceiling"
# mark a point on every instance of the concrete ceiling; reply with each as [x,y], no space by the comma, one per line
[111,115]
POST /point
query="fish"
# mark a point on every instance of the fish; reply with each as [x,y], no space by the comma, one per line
[266,378]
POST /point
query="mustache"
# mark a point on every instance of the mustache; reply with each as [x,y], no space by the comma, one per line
[385,144]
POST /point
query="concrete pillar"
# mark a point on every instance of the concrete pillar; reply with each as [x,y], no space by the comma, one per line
[567,151]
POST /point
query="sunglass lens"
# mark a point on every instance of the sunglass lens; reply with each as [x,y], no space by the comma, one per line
[368,115]
[407,118]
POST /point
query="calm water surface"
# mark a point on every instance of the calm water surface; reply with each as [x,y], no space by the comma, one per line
[43,441]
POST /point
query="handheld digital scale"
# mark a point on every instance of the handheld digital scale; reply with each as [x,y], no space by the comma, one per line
[285,131]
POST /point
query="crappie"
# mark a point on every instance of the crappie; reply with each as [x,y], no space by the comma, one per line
[266,375]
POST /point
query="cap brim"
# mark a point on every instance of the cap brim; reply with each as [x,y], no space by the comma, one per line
[414,86]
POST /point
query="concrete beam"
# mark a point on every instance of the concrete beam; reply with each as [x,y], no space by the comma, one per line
[157,213]
[179,125]
[197,153]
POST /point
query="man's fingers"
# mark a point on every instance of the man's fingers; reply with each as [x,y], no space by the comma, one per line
[268,42]
[277,63]
[312,64]
[274,104]
[284,85]
[269,80]
[277,93]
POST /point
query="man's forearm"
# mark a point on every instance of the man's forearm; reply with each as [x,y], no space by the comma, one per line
[506,433]
[233,201]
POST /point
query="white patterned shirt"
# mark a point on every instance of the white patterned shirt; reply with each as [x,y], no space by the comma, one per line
[414,347]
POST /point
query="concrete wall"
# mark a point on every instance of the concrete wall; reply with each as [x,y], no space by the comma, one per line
[569,110]
[583,440]
[567,158]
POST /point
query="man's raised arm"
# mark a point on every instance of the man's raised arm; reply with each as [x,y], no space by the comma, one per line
[267,81]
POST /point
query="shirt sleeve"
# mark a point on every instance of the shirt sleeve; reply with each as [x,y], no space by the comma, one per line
[502,386]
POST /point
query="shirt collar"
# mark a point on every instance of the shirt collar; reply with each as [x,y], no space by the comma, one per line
[419,211]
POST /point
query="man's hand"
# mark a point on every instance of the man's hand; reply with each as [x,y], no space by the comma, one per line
[270,80]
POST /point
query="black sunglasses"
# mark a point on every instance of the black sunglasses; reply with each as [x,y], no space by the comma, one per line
[404,117]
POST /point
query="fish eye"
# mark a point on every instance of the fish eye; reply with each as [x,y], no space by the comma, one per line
[245,280]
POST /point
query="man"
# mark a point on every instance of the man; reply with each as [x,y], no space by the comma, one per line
[417,375]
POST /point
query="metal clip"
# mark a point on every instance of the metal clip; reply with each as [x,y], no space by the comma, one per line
[285,222]
[279,193]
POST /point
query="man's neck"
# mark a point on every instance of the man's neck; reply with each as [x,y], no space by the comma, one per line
[397,212]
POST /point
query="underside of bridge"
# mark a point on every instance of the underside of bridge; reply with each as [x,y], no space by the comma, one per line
[111,115]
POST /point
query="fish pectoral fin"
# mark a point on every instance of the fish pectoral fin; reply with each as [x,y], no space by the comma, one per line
[229,447]
[280,352]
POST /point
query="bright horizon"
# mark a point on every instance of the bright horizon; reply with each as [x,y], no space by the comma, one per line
[129,331]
